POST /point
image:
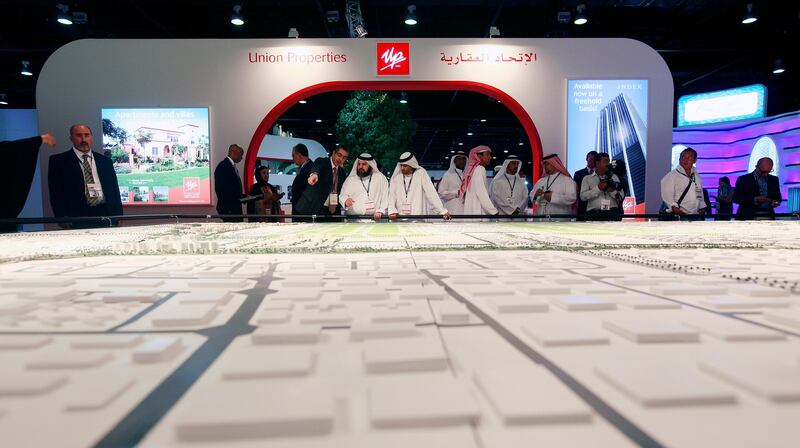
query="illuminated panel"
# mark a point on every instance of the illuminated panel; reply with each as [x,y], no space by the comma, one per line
[724,105]
[731,150]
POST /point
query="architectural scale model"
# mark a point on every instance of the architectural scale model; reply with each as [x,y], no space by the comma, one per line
[398,335]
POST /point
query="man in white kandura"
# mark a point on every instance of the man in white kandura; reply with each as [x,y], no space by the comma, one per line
[366,190]
[473,189]
[507,190]
[555,192]
[411,191]
[682,188]
[451,182]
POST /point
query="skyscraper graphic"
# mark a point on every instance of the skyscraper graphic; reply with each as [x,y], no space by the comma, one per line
[622,134]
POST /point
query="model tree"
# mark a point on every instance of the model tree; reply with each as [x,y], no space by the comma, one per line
[376,123]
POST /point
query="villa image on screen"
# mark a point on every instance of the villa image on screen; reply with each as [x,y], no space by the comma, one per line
[610,116]
[161,155]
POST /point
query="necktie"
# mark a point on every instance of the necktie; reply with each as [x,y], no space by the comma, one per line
[89,179]
[332,205]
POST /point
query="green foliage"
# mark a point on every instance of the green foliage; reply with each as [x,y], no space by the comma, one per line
[113,131]
[376,123]
[118,155]
[143,137]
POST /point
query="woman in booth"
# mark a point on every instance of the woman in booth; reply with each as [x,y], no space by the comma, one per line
[270,201]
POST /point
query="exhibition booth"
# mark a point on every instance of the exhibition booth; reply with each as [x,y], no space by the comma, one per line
[171,123]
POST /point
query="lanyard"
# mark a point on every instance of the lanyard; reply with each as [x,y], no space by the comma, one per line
[511,186]
[408,187]
[459,176]
[369,185]
[547,182]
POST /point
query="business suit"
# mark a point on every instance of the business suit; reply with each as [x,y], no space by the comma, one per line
[19,165]
[68,188]
[300,183]
[312,202]
[228,187]
[745,194]
[579,175]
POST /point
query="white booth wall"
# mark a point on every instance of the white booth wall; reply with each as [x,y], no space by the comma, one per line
[83,77]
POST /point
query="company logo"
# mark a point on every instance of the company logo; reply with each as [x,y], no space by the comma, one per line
[629,205]
[191,187]
[394,58]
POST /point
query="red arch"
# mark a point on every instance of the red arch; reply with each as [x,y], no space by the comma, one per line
[291,100]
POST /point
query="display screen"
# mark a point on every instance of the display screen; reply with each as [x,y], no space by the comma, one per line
[610,116]
[161,155]
[723,105]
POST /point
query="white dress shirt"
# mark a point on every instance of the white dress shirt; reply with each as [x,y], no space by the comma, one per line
[595,197]
[673,185]
[96,178]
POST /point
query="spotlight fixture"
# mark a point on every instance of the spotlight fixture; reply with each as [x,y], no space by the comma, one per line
[302,101]
[469,133]
[318,120]
[3,100]
[403,98]
[580,17]
[483,120]
[26,69]
[360,31]
[332,15]
[293,33]
[411,16]
[460,143]
[236,18]
[778,67]
[749,17]
[563,16]
[494,32]
[64,16]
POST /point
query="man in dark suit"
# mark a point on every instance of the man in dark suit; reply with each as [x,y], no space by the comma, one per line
[758,193]
[300,158]
[82,182]
[580,174]
[228,184]
[321,196]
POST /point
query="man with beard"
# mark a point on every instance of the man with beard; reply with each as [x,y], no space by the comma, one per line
[411,191]
[366,190]
[508,192]
[451,182]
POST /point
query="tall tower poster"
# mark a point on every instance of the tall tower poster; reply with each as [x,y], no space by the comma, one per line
[610,116]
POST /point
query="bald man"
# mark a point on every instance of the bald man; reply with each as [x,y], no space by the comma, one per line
[758,193]
[82,182]
[228,184]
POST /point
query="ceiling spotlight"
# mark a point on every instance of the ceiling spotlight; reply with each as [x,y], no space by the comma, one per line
[403,98]
[469,133]
[3,100]
[26,69]
[483,120]
[332,15]
[494,32]
[318,120]
[411,16]
[302,101]
[329,133]
[460,143]
[580,17]
[563,16]
[749,17]
[521,144]
[360,31]
[64,16]
[293,33]
[236,18]
[778,68]
[505,151]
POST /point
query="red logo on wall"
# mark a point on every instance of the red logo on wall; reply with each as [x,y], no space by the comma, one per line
[394,58]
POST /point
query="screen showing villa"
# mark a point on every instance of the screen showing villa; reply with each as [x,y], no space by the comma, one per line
[161,156]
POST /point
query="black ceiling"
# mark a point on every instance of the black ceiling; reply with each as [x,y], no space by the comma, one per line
[704,42]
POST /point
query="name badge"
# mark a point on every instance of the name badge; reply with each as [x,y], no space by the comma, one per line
[369,206]
[405,209]
[95,190]
[605,204]
[333,198]
[508,200]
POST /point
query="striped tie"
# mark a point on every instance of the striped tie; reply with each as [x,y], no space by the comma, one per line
[89,179]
